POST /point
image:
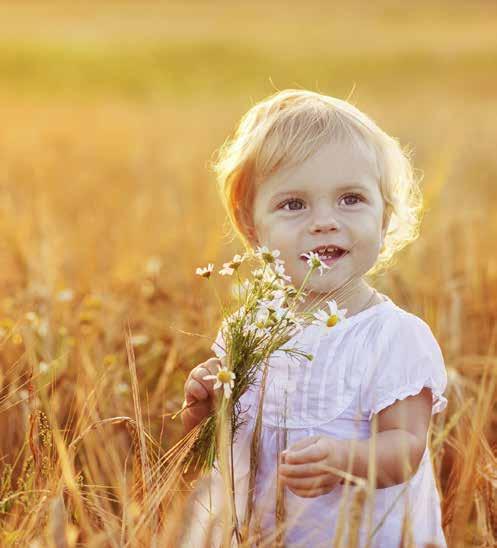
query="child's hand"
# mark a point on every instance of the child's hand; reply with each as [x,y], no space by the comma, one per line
[304,466]
[199,394]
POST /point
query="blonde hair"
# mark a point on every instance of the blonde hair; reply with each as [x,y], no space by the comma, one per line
[285,129]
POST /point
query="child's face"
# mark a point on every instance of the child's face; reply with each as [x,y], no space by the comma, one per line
[333,198]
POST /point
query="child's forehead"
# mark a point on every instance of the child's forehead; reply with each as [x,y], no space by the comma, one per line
[334,164]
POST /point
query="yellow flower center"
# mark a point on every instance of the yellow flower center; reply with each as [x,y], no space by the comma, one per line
[332,320]
[224,376]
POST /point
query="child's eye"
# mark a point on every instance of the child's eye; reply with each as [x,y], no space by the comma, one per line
[290,201]
[357,197]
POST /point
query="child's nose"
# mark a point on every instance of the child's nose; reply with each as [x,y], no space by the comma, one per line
[323,216]
[324,223]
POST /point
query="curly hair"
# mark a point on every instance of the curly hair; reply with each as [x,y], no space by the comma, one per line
[286,128]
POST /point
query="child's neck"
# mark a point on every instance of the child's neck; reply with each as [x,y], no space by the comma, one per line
[357,297]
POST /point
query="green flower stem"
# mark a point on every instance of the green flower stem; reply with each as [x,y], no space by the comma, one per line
[301,288]
[225,438]
[219,301]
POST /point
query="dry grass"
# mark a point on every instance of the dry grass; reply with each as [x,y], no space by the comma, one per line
[109,117]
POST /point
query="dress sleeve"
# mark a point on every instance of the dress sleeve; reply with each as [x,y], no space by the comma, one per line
[218,346]
[407,358]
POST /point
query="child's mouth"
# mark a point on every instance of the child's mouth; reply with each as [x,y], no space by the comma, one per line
[329,258]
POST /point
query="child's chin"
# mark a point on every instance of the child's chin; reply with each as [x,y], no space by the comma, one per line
[323,284]
[320,283]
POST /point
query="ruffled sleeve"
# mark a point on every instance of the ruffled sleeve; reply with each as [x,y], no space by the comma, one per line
[407,358]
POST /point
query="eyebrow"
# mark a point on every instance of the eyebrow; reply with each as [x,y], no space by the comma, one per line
[345,186]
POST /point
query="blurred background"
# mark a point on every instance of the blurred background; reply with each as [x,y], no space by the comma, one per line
[109,115]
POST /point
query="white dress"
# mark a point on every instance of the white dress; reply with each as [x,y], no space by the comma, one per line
[360,366]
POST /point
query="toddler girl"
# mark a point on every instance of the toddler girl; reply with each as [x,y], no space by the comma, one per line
[308,172]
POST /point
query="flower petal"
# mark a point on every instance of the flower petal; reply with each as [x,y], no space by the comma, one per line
[333,307]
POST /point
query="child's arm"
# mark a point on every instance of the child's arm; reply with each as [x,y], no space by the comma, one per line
[401,440]
[402,432]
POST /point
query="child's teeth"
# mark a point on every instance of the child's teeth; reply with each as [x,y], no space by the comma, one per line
[332,255]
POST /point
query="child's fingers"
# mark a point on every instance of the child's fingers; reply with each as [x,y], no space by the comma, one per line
[312,453]
[209,367]
[198,373]
[195,390]
[202,371]
[310,483]
[301,444]
[302,470]
[311,493]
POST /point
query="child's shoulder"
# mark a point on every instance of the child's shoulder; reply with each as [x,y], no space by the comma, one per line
[406,357]
[384,322]
[404,347]
[397,323]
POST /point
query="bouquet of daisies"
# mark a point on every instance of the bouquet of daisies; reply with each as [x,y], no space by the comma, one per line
[266,318]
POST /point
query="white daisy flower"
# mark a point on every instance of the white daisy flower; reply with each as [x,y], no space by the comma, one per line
[267,256]
[272,304]
[314,261]
[258,273]
[279,298]
[292,293]
[205,272]
[258,331]
[234,264]
[273,279]
[224,378]
[267,276]
[261,317]
[280,272]
[232,318]
[331,318]
[279,294]
[226,270]
[238,260]
[240,318]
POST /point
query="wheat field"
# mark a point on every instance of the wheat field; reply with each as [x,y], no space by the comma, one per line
[110,113]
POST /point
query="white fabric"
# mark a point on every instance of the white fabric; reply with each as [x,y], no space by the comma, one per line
[360,366]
